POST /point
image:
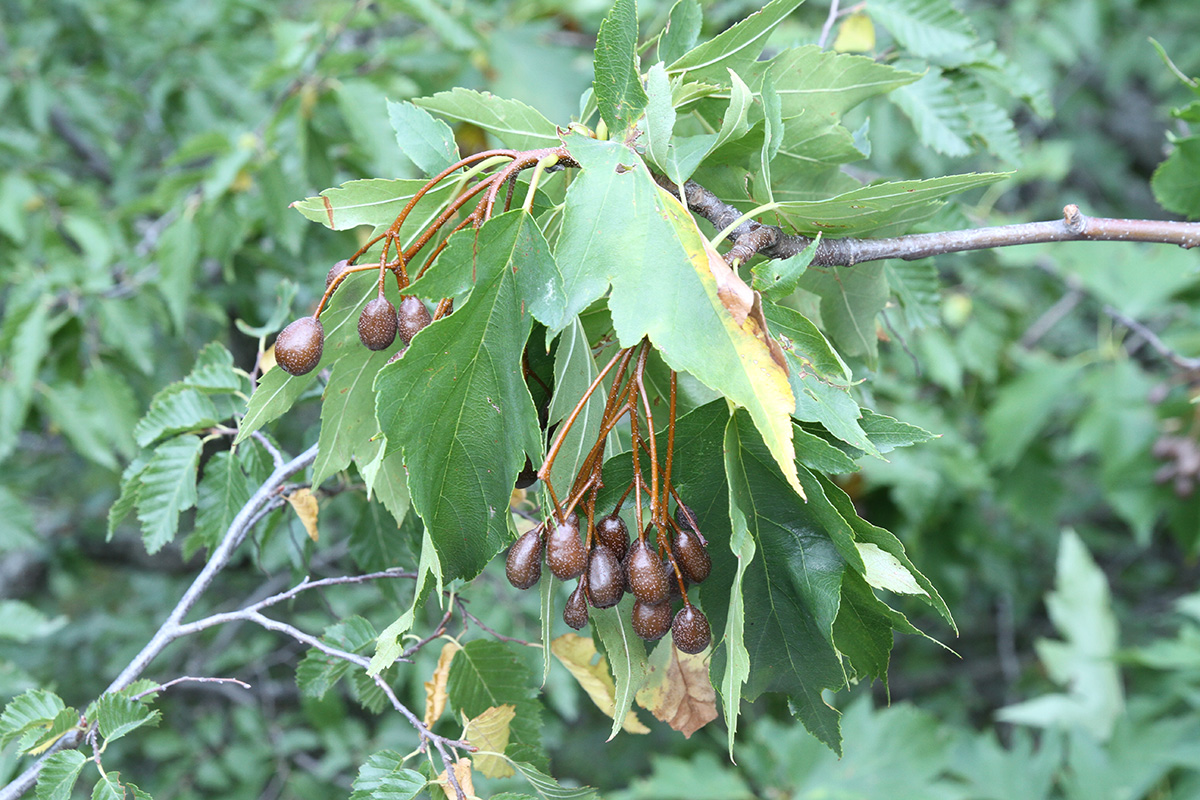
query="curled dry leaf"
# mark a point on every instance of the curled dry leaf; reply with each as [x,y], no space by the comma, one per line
[678,690]
[462,771]
[435,687]
[489,732]
[305,504]
[576,653]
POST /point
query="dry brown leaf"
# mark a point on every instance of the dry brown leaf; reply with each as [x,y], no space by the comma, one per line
[678,690]
[462,771]
[305,504]
[435,687]
[489,732]
[576,653]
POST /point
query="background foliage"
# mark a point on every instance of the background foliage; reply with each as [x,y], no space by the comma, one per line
[146,169]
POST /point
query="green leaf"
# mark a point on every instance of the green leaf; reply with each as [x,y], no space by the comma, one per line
[117,715]
[862,631]
[175,410]
[428,142]
[37,708]
[131,485]
[870,208]
[665,287]
[682,31]
[515,124]
[458,406]
[777,278]
[832,406]
[927,28]
[618,82]
[222,492]
[319,672]
[383,777]
[626,657]
[277,391]
[735,48]
[388,647]
[916,284]
[887,433]
[59,774]
[348,412]
[800,338]
[213,372]
[168,489]
[742,545]
[1176,183]
[574,371]
[375,202]
[933,108]
[547,787]
[1085,663]
[792,590]
[817,454]
[851,297]
[387,480]
[487,673]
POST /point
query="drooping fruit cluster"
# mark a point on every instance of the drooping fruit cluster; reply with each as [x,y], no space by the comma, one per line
[299,346]
[600,554]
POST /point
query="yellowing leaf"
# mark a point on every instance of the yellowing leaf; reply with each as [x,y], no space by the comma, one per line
[462,771]
[576,654]
[857,35]
[885,571]
[305,504]
[435,687]
[489,732]
[679,691]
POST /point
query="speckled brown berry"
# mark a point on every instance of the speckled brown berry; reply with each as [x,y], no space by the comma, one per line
[377,324]
[575,612]
[524,563]
[647,580]
[565,554]
[606,582]
[692,557]
[684,516]
[413,316]
[690,630]
[651,622]
[613,534]
[298,346]
[334,271]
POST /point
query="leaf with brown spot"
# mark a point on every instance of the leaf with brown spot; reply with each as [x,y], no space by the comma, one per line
[679,691]
[435,687]
[305,504]
[576,654]
[489,732]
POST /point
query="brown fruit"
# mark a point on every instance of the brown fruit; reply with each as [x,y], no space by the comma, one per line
[575,612]
[694,561]
[682,514]
[334,271]
[651,621]
[690,630]
[524,563]
[298,346]
[613,534]
[377,324]
[646,577]
[606,582]
[413,316]
[565,554]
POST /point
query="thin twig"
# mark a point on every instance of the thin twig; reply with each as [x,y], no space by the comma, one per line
[828,26]
[187,679]
[1183,362]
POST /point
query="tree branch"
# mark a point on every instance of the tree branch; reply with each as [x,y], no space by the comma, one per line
[753,237]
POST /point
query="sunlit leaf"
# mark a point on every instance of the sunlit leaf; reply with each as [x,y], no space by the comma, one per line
[489,732]
[579,656]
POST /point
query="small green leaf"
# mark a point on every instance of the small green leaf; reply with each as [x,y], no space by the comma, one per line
[548,788]
[927,28]
[850,300]
[735,48]
[487,673]
[384,777]
[373,202]
[117,715]
[348,412]
[916,284]
[1175,182]
[109,787]
[778,278]
[626,657]
[175,410]
[682,31]
[833,407]
[800,338]
[428,142]
[618,82]
[222,492]
[131,485]
[887,433]
[515,124]
[319,672]
[37,708]
[168,489]
[59,774]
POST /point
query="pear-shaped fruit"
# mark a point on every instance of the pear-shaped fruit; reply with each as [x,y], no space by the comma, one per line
[413,316]
[613,533]
[651,622]
[334,271]
[606,582]
[565,554]
[646,577]
[575,612]
[377,324]
[298,347]
[692,557]
[690,630]
[684,516]
[524,563]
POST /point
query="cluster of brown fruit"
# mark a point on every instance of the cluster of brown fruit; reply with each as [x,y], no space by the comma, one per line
[608,565]
[298,347]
